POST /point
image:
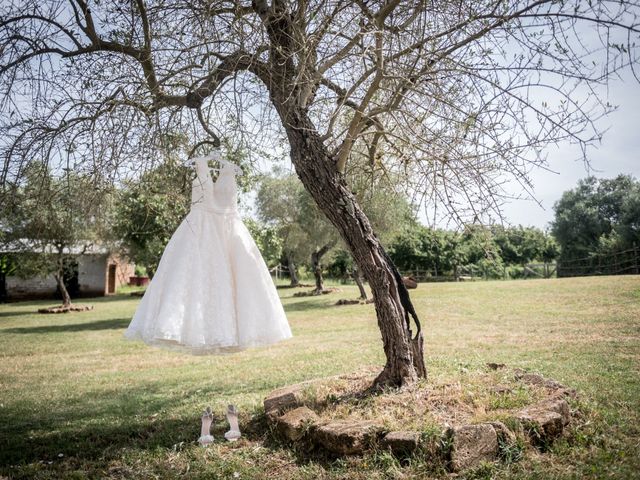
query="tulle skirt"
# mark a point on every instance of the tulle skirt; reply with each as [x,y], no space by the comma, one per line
[212,291]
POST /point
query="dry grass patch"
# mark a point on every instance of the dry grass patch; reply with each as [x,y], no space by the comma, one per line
[439,403]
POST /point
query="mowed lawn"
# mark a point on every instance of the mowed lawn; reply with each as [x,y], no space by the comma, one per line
[79,401]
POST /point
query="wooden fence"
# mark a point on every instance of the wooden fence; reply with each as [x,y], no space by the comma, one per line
[625,262]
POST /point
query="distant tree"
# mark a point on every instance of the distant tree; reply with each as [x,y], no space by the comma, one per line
[50,219]
[487,248]
[521,245]
[551,249]
[284,204]
[598,214]
[629,225]
[278,206]
[149,209]
[434,250]
[7,267]
[267,240]
[321,235]
[480,250]
[151,205]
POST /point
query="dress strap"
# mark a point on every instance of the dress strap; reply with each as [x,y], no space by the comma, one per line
[202,169]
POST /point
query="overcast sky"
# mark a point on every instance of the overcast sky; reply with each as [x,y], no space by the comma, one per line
[618,153]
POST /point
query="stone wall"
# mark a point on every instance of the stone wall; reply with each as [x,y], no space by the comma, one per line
[91,274]
[93,278]
[30,288]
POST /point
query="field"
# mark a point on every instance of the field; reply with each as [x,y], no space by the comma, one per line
[78,401]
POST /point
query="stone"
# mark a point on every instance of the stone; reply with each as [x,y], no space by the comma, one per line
[283,399]
[495,366]
[545,420]
[504,434]
[346,437]
[472,444]
[294,424]
[66,309]
[410,282]
[552,384]
[565,392]
[530,378]
[401,442]
[344,301]
[557,388]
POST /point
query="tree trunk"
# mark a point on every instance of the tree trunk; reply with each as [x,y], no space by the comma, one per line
[3,287]
[66,299]
[293,273]
[317,273]
[355,273]
[318,173]
[316,256]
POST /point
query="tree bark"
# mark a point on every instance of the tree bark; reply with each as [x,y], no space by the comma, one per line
[316,256]
[317,170]
[66,299]
[293,273]
[357,277]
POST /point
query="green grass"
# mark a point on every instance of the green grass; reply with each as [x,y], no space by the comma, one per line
[78,401]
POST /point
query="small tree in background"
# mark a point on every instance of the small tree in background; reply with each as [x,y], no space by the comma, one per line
[600,217]
[267,240]
[150,209]
[597,211]
[278,206]
[50,220]
[283,203]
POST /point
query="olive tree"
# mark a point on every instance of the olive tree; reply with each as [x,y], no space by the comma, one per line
[456,96]
[43,228]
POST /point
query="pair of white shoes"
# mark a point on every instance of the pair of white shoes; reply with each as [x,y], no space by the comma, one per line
[207,419]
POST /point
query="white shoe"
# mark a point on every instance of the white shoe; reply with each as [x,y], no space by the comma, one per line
[205,433]
[234,430]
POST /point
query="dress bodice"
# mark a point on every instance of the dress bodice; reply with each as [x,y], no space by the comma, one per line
[219,196]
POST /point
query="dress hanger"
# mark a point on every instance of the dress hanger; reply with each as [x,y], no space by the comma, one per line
[215,156]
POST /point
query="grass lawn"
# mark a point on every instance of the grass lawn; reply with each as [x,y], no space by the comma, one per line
[78,401]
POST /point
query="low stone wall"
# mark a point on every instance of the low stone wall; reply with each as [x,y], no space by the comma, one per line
[459,448]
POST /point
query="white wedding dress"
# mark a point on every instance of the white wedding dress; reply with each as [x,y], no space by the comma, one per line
[212,292]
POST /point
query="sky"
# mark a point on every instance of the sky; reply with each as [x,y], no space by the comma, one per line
[618,153]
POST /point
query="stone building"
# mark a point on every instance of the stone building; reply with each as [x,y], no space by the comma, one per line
[93,273]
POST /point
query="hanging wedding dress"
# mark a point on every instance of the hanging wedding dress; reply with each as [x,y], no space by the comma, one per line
[212,292]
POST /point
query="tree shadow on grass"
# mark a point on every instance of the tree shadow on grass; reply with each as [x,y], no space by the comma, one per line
[44,302]
[116,429]
[95,430]
[111,324]
[16,314]
[309,303]
[99,426]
